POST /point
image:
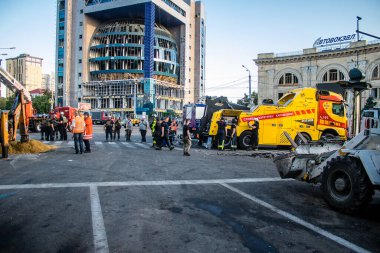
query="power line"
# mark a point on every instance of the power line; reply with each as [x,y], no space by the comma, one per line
[223,84]
[227,85]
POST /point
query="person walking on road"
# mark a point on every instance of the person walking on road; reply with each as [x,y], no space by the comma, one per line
[87,132]
[157,134]
[255,134]
[108,126]
[143,127]
[173,131]
[186,138]
[165,133]
[128,129]
[117,127]
[78,126]
[222,133]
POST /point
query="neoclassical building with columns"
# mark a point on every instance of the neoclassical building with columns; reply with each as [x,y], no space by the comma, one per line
[280,73]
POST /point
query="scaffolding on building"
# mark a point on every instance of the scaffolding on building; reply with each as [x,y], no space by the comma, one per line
[125,95]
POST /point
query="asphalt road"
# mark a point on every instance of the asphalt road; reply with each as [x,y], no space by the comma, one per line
[127,197]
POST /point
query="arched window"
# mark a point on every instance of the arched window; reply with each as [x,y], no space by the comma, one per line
[333,75]
[288,79]
[376,73]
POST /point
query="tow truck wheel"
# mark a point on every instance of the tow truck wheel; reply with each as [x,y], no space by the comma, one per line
[245,140]
[299,141]
[328,136]
[345,185]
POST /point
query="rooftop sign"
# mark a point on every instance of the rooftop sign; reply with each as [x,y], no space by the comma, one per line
[334,41]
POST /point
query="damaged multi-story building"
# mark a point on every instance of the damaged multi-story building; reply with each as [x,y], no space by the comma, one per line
[130,55]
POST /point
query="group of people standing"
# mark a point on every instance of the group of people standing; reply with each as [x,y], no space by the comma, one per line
[164,131]
[81,127]
[112,128]
[222,134]
[51,127]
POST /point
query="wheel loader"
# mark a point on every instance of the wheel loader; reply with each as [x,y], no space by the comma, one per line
[349,172]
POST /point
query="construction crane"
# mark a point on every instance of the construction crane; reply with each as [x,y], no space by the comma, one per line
[18,116]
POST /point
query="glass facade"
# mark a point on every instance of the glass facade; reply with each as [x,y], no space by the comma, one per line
[60,51]
[117,52]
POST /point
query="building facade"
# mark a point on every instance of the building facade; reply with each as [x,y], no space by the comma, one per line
[130,55]
[48,82]
[27,70]
[278,74]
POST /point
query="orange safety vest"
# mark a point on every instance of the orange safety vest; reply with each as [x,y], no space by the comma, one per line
[79,125]
[88,129]
[174,126]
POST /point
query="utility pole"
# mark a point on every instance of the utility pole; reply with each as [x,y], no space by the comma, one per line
[249,80]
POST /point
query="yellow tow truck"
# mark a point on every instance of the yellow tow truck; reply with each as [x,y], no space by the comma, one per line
[314,113]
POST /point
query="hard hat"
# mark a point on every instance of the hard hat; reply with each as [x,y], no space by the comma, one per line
[61,113]
[256,119]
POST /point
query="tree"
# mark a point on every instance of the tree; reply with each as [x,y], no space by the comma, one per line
[9,102]
[245,100]
[3,103]
[369,103]
[42,103]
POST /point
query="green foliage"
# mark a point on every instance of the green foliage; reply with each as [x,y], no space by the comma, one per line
[370,103]
[245,100]
[3,102]
[6,103]
[42,103]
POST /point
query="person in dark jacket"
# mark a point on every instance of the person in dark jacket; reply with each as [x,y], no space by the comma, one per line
[108,126]
[255,134]
[157,142]
[233,134]
[44,130]
[165,134]
[222,132]
[117,127]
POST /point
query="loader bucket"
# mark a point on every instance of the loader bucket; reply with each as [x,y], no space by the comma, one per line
[284,164]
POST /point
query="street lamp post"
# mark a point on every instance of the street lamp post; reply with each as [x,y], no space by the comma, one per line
[249,76]
[357,27]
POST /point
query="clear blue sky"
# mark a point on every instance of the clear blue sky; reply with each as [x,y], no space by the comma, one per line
[236,32]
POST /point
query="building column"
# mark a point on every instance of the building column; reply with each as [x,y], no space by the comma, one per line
[150,9]
[149,83]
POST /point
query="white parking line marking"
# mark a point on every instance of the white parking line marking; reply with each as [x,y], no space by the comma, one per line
[70,143]
[58,143]
[299,221]
[141,183]
[128,145]
[98,143]
[179,149]
[98,229]
[112,143]
[46,142]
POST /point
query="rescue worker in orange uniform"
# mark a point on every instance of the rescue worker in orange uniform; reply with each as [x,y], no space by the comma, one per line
[173,131]
[77,126]
[87,132]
